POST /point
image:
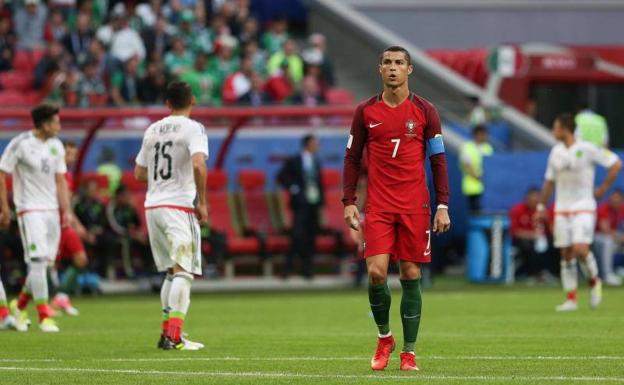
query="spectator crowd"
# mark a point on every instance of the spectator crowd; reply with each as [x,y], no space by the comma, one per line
[87,53]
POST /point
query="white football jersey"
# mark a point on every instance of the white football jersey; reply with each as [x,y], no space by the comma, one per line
[572,169]
[34,164]
[166,152]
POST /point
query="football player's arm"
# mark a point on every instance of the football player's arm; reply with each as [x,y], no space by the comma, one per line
[352,166]
[62,191]
[615,165]
[140,167]
[198,148]
[437,158]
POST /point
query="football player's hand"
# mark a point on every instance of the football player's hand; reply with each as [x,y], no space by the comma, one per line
[201,211]
[5,219]
[441,221]
[600,191]
[352,217]
[68,219]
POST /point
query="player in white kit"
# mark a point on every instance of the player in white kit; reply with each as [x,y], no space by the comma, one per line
[570,172]
[173,161]
[36,159]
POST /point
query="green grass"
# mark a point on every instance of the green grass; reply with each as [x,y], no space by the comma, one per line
[468,335]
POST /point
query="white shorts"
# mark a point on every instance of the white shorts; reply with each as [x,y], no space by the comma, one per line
[41,233]
[574,229]
[175,239]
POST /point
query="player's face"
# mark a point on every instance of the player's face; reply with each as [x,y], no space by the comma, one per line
[394,69]
[52,127]
[559,132]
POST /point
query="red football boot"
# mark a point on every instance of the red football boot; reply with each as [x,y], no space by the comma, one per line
[408,361]
[385,346]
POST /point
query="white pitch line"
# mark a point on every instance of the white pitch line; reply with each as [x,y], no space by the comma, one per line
[313,358]
[279,375]
[444,358]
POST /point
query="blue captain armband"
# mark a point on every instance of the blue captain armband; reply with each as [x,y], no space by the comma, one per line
[436,145]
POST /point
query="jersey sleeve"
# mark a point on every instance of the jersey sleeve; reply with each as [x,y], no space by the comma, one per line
[550,168]
[437,157]
[198,140]
[10,156]
[602,156]
[141,158]
[61,166]
[353,157]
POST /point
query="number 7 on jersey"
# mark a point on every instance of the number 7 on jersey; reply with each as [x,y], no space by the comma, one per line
[396,142]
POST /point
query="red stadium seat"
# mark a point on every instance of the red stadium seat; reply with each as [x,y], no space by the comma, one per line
[257,212]
[16,80]
[223,219]
[333,210]
[22,61]
[338,96]
[12,99]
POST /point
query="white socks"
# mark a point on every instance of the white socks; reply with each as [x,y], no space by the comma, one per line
[37,279]
[3,298]
[180,292]
[569,275]
[589,266]
[164,292]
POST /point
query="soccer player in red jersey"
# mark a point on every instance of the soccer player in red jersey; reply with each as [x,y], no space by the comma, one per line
[397,128]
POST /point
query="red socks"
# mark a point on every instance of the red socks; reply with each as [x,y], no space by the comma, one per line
[174,330]
[572,295]
[4,312]
[23,299]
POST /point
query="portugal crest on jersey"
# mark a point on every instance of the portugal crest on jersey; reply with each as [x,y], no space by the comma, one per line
[410,127]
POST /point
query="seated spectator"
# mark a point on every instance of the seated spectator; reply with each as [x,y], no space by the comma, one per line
[276,35]
[77,42]
[91,212]
[258,57]
[249,32]
[257,95]
[195,38]
[290,55]
[91,90]
[124,222]
[107,165]
[202,82]
[609,219]
[7,42]
[152,85]
[179,59]
[311,93]
[29,23]
[529,239]
[279,85]
[56,27]
[224,62]
[239,83]
[126,42]
[124,84]
[316,54]
[105,63]
[54,58]
[156,39]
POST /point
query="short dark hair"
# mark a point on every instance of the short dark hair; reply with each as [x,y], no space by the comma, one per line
[307,139]
[179,95]
[396,48]
[43,113]
[566,120]
[532,189]
[70,143]
[479,129]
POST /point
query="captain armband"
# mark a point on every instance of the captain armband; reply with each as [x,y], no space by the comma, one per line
[436,145]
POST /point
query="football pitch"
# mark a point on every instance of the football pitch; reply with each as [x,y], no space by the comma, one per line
[468,335]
